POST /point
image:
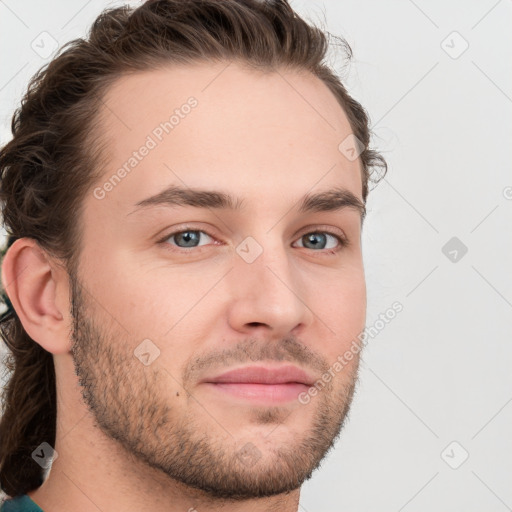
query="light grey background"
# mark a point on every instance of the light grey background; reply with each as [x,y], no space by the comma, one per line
[439,372]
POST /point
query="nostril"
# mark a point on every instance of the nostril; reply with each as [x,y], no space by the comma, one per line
[255,324]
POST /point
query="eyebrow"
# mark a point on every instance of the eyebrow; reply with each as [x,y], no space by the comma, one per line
[335,199]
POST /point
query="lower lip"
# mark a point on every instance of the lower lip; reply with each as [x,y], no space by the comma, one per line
[261,392]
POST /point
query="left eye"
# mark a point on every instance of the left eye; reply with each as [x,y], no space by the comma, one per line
[190,238]
[319,238]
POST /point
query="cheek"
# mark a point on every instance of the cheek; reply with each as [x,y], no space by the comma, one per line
[170,304]
[343,295]
[145,301]
[342,306]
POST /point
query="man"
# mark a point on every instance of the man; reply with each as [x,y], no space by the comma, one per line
[186,263]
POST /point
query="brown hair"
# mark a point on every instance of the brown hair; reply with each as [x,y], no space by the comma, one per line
[55,156]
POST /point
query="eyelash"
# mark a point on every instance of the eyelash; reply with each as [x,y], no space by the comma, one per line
[343,242]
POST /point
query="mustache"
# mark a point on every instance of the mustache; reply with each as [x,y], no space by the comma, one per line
[287,350]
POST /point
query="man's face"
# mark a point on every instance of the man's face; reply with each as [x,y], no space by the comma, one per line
[264,284]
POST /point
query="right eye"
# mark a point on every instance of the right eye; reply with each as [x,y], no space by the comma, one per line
[185,238]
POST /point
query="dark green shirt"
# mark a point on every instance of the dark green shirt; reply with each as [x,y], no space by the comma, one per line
[21,503]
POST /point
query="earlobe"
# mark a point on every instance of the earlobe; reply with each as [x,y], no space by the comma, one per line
[31,284]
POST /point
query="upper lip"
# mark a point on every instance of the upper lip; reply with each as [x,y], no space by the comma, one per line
[264,375]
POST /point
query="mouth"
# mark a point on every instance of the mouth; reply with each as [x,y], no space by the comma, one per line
[263,384]
[260,392]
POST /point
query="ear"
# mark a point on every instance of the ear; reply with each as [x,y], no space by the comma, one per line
[39,292]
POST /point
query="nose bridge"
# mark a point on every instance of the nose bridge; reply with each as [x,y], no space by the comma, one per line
[265,259]
[265,287]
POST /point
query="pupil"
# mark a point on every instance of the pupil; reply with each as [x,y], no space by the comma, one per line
[189,237]
[314,237]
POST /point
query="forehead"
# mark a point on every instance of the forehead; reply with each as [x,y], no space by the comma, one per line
[223,126]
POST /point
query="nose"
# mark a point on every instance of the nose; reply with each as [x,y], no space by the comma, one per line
[268,294]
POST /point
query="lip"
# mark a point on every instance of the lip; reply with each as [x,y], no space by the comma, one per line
[288,374]
[259,393]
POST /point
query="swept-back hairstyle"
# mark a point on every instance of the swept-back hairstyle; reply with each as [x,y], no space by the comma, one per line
[56,155]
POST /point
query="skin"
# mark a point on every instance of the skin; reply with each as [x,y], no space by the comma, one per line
[134,437]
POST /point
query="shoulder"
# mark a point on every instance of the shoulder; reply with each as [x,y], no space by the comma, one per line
[21,503]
